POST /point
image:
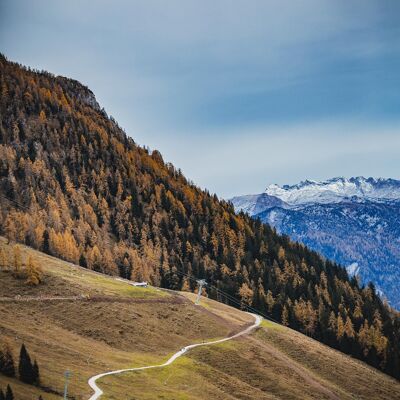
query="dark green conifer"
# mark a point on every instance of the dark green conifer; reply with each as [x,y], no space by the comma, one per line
[9,393]
[25,368]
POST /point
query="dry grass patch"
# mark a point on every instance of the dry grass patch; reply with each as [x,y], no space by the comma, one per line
[348,377]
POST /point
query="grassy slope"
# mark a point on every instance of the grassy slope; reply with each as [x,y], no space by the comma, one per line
[124,326]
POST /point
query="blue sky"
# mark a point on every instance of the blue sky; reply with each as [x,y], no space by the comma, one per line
[238,94]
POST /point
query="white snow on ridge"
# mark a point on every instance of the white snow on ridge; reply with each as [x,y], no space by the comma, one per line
[353,269]
[255,203]
[245,203]
[336,190]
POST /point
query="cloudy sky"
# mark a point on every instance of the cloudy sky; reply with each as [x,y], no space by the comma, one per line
[238,94]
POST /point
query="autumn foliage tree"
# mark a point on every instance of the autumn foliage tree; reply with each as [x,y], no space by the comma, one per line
[17,262]
[3,260]
[33,273]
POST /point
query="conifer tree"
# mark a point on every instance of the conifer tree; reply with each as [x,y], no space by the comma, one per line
[270,300]
[25,367]
[6,360]
[34,275]
[340,327]
[42,116]
[348,328]
[17,261]
[332,322]
[3,259]
[9,393]
[246,295]
[46,244]
[285,316]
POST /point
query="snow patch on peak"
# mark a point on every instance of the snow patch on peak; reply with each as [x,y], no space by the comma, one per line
[353,269]
[336,190]
[256,203]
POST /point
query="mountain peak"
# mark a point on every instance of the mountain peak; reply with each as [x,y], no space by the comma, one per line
[336,189]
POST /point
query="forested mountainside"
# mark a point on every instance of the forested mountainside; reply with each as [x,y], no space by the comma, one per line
[74,185]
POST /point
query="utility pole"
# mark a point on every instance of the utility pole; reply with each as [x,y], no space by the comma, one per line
[201,283]
[67,375]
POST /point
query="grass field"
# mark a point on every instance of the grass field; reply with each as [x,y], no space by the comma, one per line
[112,325]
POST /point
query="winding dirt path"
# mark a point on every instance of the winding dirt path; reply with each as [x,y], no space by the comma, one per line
[98,392]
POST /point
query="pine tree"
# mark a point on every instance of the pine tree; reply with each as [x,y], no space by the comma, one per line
[17,261]
[34,275]
[246,295]
[42,116]
[270,301]
[348,328]
[285,316]
[3,259]
[357,314]
[332,323]
[9,393]
[25,367]
[46,244]
[6,360]
[340,327]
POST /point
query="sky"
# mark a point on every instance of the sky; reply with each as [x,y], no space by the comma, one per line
[238,94]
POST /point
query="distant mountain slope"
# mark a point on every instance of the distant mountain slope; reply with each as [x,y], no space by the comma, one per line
[355,222]
[74,185]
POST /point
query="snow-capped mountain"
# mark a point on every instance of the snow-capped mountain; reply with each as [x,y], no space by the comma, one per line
[255,203]
[355,222]
[336,190]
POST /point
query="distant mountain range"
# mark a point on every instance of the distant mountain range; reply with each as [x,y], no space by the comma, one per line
[355,222]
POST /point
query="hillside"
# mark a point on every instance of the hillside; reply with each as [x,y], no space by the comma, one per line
[354,222]
[74,185]
[118,326]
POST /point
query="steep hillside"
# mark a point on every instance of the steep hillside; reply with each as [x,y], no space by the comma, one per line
[354,222]
[73,185]
[88,323]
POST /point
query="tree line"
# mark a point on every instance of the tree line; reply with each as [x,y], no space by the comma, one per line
[74,185]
